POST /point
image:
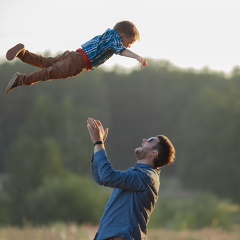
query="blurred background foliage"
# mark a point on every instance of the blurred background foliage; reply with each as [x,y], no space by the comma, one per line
[45,149]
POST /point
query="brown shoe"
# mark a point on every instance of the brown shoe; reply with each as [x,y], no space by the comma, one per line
[14,82]
[14,51]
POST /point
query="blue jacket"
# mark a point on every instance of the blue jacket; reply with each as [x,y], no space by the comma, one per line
[135,193]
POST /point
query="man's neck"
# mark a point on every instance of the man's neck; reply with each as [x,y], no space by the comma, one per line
[145,161]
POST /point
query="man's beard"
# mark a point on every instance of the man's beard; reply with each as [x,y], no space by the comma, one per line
[141,153]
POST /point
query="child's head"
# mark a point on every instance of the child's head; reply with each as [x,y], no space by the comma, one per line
[128,32]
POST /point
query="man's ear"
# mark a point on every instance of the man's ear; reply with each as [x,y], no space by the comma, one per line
[155,153]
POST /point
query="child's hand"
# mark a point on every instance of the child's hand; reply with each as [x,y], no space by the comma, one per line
[128,53]
[143,62]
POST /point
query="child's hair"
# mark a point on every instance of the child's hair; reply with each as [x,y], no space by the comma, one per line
[127,28]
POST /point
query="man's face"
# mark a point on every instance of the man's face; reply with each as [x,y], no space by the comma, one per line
[147,145]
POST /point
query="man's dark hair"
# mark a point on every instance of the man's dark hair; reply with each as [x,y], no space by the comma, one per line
[127,28]
[166,152]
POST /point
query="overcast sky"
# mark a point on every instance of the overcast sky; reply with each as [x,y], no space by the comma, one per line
[188,33]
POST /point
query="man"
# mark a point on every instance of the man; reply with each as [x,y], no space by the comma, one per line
[135,192]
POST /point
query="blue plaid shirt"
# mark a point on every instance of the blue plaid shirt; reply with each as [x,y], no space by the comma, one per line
[133,199]
[102,47]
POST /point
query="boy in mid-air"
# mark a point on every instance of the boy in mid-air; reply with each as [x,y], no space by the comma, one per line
[71,63]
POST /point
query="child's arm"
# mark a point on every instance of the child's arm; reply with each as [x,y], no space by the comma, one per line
[128,53]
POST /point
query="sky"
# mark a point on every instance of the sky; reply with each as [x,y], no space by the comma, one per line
[188,33]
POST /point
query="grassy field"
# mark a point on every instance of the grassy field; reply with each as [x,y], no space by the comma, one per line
[73,232]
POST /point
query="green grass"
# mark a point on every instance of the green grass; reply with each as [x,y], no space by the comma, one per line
[74,232]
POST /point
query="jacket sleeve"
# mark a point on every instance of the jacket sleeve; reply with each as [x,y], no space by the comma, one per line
[95,172]
[104,174]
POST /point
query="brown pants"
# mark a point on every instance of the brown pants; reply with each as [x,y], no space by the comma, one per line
[65,65]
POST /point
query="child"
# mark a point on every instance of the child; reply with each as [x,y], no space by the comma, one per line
[71,63]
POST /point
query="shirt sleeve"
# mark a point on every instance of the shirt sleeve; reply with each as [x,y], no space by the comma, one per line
[104,174]
[117,44]
[95,172]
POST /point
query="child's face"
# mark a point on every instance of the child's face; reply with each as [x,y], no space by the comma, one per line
[127,42]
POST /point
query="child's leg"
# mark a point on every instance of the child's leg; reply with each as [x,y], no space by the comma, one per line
[68,64]
[28,57]
[35,59]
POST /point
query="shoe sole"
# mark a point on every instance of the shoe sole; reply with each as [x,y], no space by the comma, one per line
[13,52]
[9,86]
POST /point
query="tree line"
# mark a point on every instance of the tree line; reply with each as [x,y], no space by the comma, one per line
[45,146]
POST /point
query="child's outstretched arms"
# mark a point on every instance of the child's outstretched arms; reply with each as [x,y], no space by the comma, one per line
[128,53]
